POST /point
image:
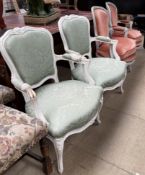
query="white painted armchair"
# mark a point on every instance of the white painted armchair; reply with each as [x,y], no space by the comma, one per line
[123,31]
[67,107]
[108,72]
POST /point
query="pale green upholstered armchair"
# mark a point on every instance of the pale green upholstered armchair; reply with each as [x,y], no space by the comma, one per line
[109,73]
[67,107]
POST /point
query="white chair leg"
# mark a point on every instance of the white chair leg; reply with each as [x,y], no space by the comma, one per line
[129,68]
[59,146]
[121,89]
[98,119]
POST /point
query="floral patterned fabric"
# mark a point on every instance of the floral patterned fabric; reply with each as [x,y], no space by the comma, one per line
[18,133]
[6,94]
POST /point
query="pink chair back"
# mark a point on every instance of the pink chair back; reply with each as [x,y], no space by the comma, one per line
[101,21]
[113,13]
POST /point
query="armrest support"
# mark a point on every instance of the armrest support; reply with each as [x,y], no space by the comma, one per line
[24,88]
[110,41]
[75,57]
[72,56]
[30,97]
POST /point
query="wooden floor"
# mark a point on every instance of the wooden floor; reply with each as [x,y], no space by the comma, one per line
[117,146]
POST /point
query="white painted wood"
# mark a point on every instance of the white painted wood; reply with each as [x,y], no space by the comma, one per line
[104,39]
[30,96]
[59,142]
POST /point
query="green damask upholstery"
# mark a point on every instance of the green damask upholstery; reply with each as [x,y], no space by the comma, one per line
[67,105]
[76,35]
[33,62]
[105,71]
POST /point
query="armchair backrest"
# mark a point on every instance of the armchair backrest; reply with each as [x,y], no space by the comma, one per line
[29,53]
[75,33]
[113,12]
[100,20]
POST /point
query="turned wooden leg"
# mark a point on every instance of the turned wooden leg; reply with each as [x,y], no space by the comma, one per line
[47,165]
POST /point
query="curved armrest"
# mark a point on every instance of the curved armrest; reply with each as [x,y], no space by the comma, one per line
[127,23]
[73,56]
[124,30]
[110,41]
[30,97]
[104,39]
[76,57]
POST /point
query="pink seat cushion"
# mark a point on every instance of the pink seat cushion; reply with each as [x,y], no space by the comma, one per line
[132,33]
[135,34]
[125,48]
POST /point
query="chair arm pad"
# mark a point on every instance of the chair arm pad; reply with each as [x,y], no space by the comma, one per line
[104,39]
[73,56]
[76,58]
[24,87]
[120,28]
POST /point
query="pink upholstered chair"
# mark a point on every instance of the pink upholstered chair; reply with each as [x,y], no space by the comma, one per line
[122,31]
[126,47]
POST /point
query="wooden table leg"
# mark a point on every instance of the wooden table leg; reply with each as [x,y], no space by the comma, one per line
[47,165]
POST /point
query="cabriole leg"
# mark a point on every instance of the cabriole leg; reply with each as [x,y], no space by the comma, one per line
[59,146]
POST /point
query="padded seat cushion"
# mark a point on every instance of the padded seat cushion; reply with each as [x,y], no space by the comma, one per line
[67,105]
[134,34]
[18,133]
[6,94]
[106,72]
[125,48]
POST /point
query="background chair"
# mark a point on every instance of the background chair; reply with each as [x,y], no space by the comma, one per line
[126,47]
[122,31]
[18,132]
[68,107]
[75,33]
